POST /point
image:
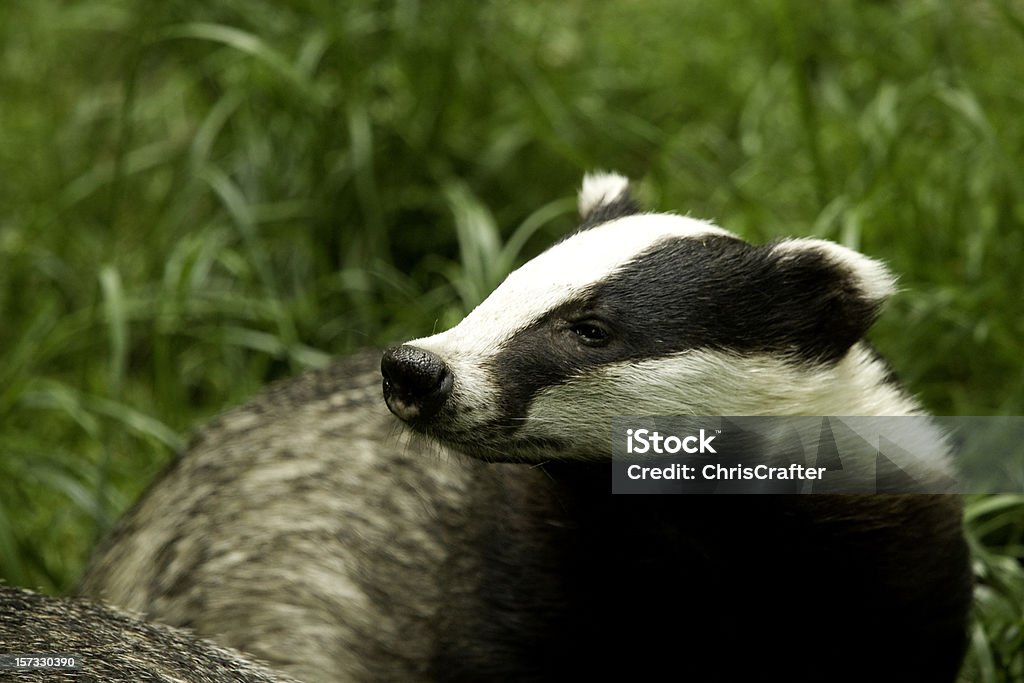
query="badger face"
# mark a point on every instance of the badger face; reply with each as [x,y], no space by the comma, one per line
[647,314]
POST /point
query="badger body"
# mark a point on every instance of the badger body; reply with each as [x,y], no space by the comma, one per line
[482,542]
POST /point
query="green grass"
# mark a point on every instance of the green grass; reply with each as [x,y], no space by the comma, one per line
[200,197]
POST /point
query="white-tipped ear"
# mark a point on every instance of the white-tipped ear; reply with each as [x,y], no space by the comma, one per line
[874,280]
[600,188]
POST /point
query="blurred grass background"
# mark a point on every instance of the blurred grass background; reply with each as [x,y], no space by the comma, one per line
[197,198]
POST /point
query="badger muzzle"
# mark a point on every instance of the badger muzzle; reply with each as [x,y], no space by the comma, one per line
[416,383]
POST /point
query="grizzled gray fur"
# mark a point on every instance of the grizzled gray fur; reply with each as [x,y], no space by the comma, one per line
[304,529]
[112,647]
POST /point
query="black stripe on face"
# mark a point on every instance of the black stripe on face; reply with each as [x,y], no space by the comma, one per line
[708,292]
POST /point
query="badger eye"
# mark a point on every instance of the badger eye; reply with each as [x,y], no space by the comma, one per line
[590,332]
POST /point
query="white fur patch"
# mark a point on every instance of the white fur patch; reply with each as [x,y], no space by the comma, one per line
[709,382]
[600,188]
[873,278]
[705,382]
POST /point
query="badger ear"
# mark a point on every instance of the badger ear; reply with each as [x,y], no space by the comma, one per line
[605,197]
[839,291]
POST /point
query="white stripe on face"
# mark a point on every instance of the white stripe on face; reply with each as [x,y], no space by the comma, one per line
[562,273]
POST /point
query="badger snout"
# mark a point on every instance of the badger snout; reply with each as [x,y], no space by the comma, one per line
[416,383]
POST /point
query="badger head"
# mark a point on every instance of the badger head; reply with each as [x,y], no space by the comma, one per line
[647,314]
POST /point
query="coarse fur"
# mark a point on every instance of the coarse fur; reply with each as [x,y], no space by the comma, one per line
[308,530]
[111,647]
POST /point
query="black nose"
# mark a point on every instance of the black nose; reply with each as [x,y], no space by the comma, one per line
[416,382]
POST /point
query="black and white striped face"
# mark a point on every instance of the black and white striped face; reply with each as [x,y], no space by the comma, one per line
[646,314]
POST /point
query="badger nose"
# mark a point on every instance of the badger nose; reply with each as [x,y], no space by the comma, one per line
[416,382]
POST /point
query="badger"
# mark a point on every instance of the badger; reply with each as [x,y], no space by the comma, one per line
[55,639]
[476,538]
